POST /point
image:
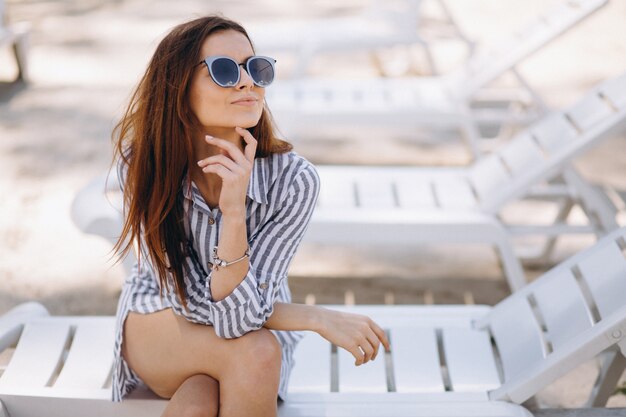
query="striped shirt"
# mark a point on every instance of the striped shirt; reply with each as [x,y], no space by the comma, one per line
[282,193]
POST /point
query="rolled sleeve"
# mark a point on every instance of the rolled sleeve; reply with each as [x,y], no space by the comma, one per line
[251,303]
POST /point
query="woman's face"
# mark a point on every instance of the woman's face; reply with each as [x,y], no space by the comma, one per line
[215,106]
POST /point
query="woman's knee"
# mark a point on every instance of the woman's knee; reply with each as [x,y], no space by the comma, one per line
[258,349]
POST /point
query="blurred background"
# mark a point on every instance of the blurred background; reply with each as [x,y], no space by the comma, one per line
[85,56]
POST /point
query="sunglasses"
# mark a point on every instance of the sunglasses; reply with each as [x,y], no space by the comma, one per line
[225,70]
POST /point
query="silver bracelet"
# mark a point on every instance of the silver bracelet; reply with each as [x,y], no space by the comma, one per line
[220,263]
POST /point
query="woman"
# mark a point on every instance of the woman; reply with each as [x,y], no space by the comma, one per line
[218,206]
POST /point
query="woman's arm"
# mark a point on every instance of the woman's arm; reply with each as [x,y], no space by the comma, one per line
[241,297]
[356,333]
[234,171]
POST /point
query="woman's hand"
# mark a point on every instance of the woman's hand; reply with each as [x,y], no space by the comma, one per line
[353,332]
[234,168]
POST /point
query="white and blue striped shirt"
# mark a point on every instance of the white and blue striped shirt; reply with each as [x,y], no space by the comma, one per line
[282,194]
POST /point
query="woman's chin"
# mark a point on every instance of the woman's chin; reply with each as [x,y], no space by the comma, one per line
[246,122]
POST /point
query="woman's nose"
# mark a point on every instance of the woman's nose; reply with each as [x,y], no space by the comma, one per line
[244,79]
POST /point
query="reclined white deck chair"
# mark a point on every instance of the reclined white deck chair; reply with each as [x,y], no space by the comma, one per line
[317,107]
[16,37]
[414,205]
[381,25]
[444,360]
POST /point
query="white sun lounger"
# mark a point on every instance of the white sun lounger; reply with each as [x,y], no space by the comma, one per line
[444,360]
[381,25]
[414,205]
[316,107]
[16,37]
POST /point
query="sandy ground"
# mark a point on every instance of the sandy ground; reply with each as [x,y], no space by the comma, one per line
[86,56]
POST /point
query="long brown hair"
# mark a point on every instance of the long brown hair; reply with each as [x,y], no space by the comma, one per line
[153,140]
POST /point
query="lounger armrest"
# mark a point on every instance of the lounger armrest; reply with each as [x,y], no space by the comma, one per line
[95,213]
[12,321]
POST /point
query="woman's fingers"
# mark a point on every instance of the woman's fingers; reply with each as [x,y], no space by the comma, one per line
[220,159]
[374,342]
[382,336]
[251,143]
[233,151]
[358,355]
[220,170]
[368,349]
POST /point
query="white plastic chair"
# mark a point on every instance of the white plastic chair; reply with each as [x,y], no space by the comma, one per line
[444,360]
[16,37]
[413,205]
[383,24]
[316,107]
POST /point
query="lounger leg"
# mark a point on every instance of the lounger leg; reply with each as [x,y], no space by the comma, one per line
[612,368]
[596,205]
[543,258]
[20,50]
[3,411]
[541,104]
[431,60]
[471,134]
[511,266]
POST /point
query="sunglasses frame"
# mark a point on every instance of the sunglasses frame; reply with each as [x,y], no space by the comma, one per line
[208,61]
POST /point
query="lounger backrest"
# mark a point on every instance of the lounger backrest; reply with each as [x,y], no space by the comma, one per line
[487,65]
[565,317]
[541,150]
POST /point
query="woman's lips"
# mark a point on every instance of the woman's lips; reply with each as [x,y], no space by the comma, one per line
[248,103]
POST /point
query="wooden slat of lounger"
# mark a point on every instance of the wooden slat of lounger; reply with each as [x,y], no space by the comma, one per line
[37,354]
[589,112]
[489,176]
[615,91]
[368,377]
[336,190]
[374,190]
[562,306]
[454,193]
[604,272]
[554,132]
[522,155]
[373,98]
[310,99]
[522,345]
[402,98]
[415,359]
[470,360]
[90,358]
[415,192]
[311,372]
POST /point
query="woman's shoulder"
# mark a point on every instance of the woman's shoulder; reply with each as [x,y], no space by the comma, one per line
[287,167]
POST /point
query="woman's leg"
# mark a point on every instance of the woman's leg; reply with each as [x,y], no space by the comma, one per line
[198,396]
[165,349]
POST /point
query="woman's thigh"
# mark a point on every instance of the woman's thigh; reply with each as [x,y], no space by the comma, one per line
[161,347]
[165,349]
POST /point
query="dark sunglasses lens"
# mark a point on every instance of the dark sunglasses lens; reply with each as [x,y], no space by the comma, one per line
[225,72]
[261,71]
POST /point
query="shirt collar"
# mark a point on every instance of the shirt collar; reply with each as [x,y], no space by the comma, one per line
[257,186]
